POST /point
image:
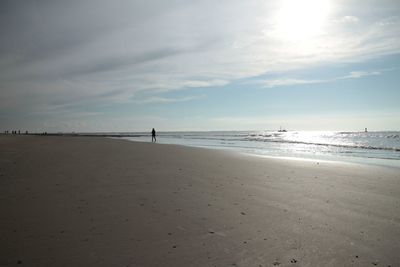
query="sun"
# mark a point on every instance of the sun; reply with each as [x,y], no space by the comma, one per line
[301,19]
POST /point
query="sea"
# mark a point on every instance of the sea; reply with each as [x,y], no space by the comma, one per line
[377,148]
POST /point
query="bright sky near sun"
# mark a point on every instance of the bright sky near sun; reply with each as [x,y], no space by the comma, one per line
[301,20]
[199,65]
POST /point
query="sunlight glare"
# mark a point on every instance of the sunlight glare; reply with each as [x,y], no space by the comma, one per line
[301,19]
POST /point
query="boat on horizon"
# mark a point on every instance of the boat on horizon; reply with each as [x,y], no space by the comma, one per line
[281,130]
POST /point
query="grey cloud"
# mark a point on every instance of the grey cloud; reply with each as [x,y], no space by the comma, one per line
[116,63]
[41,30]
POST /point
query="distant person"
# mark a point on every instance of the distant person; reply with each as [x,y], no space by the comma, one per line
[153,135]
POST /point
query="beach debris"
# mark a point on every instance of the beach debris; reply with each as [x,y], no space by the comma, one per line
[293,261]
[174,246]
[243,213]
[375,263]
[211,232]
[276,263]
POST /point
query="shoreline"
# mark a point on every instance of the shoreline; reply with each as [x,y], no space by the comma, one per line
[250,150]
[379,162]
[373,161]
[104,202]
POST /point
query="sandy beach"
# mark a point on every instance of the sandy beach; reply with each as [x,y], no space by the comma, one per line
[87,201]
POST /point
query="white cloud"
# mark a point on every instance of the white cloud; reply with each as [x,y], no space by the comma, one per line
[389,21]
[165,100]
[108,54]
[360,74]
[348,19]
[290,81]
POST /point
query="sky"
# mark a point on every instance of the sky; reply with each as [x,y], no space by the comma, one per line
[128,65]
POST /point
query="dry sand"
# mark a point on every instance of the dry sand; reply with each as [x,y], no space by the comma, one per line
[81,201]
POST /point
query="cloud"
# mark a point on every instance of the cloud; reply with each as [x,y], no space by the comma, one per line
[287,82]
[389,21]
[65,55]
[359,74]
[165,100]
[348,19]
[290,81]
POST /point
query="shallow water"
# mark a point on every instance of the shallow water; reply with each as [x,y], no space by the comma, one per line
[382,148]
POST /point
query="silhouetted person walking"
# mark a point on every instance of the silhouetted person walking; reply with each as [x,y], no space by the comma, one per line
[153,136]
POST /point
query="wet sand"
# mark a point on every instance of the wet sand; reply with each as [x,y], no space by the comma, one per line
[87,201]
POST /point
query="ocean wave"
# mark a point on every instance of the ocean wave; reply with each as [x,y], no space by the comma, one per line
[354,146]
[385,141]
